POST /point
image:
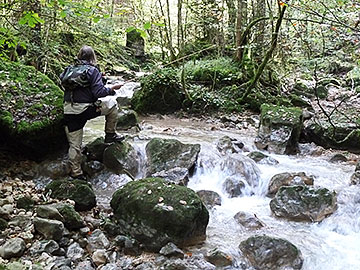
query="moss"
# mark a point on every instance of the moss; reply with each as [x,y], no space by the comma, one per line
[73,220]
[281,114]
[3,225]
[26,203]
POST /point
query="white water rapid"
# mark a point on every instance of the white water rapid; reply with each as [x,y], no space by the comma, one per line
[333,244]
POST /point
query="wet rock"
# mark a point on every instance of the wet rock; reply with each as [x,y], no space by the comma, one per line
[357,168]
[86,265]
[92,167]
[337,158]
[74,252]
[171,250]
[303,203]
[54,169]
[122,157]
[280,129]
[50,229]
[129,245]
[25,202]
[146,266]
[72,219]
[176,175]
[6,211]
[227,145]
[21,221]
[156,212]
[48,246]
[99,257]
[165,154]
[261,158]
[127,119]
[267,253]
[97,240]
[288,179]
[209,198]
[13,248]
[249,221]
[79,191]
[219,258]
[48,212]
[355,178]
[95,150]
[110,266]
[61,263]
[233,186]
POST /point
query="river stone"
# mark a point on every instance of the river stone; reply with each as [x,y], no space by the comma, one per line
[22,221]
[249,221]
[50,229]
[74,252]
[72,219]
[280,129]
[288,179]
[97,240]
[261,158]
[156,212]
[92,167]
[337,158]
[86,265]
[6,211]
[355,178]
[127,119]
[233,186]
[267,253]
[209,198]
[49,212]
[225,145]
[165,154]
[79,191]
[25,202]
[3,224]
[99,257]
[95,149]
[12,248]
[303,203]
[48,246]
[122,157]
[171,250]
[219,258]
[54,169]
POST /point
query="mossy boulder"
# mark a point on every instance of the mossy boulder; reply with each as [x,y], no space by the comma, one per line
[170,158]
[72,219]
[25,202]
[280,129]
[161,92]
[156,212]
[31,111]
[127,119]
[303,203]
[79,191]
[288,179]
[269,253]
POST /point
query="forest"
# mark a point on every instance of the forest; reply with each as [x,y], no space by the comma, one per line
[239,139]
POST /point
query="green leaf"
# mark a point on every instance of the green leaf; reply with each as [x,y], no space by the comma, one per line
[96,19]
[147,25]
[131,28]
[106,16]
[159,24]
[63,14]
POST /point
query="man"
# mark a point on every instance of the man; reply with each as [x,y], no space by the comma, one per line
[79,106]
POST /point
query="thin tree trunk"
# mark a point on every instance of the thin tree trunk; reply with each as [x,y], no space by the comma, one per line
[232,19]
[180,26]
[240,25]
[268,55]
[260,12]
[167,33]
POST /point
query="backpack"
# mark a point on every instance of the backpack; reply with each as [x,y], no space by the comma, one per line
[75,76]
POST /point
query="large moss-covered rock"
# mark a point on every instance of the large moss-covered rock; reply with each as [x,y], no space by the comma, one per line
[280,129]
[268,253]
[30,110]
[160,92]
[156,212]
[303,203]
[171,159]
[79,191]
[288,179]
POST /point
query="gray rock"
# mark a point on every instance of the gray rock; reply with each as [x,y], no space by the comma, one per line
[100,257]
[146,266]
[50,229]
[127,119]
[225,146]
[21,221]
[219,258]
[54,169]
[92,167]
[288,179]
[97,240]
[48,246]
[72,219]
[249,221]
[86,265]
[337,158]
[6,211]
[267,253]
[233,186]
[13,248]
[110,266]
[171,250]
[355,178]
[75,252]
[261,158]
[303,203]
[209,198]
[49,212]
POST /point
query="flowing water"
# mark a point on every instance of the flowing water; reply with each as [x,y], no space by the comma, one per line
[333,244]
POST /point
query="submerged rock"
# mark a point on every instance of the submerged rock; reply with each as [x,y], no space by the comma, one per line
[166,154]
[219,258]
[280,129]
[261,158]
[156,212]
[288,179]
[303,203]
[233,186]
[267,253]
[249,221]
[209,198]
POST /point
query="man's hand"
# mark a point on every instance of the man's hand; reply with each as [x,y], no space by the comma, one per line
[117,86]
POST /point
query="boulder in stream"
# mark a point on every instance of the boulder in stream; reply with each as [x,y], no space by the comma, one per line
[261,158]
[127,119]
[303,203]
[268,253]
[288,179]
[171,159]
[280,129]
[209,198]
[155,212]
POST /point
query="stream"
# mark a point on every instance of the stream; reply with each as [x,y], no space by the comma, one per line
[333,244]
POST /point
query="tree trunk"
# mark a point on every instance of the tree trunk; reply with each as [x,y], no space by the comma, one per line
[232,19]
[180,26]
[260,12]
[240,26]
